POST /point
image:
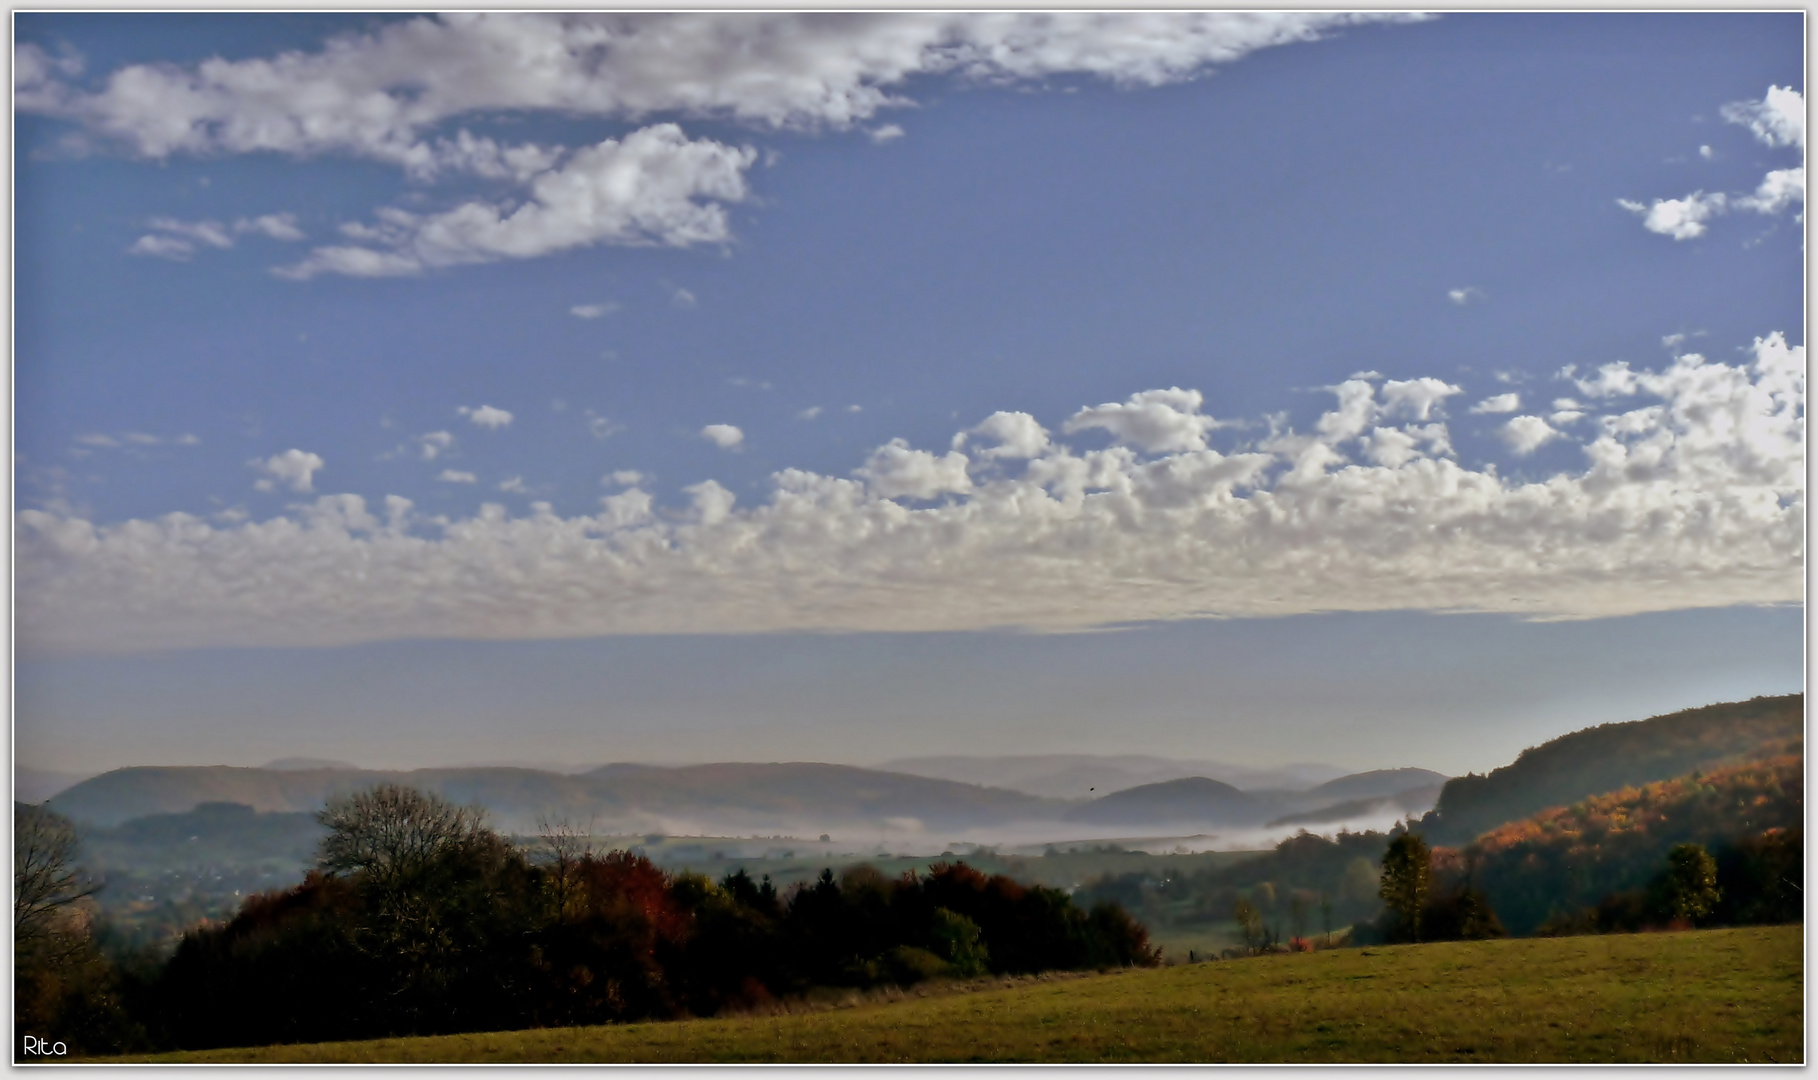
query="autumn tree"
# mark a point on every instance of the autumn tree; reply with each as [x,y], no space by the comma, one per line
[1407,878]
[1688,887]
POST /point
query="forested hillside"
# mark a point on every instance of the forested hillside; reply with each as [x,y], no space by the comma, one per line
[1559,862]
[1613,756]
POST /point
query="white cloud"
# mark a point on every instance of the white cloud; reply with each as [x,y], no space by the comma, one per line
[456,476]
[1690,493]
[809,413]
[276,226]
[1464,295]
[1501,403]
[724,436]
[1017,435]
[293,468]
[682,298]
[1778,119]
[1154,421]
[487,416]
[382,96]
[1706,153]
[1779,190]
[592,311]
[894,471]
[1681,219]
[654,187]
[886,133]
[514,484]
[434,444]
[376,94]
[1526,434]
[175,239]
[162,247]
[623,478]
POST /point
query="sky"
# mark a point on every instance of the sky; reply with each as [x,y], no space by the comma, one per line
[1380,390]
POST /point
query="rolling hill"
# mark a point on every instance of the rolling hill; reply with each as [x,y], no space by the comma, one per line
[1378,784]
[696,799]
[1191,802]
[1613,756]
[1075,776]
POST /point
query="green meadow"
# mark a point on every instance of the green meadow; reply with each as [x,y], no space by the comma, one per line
[1711,996]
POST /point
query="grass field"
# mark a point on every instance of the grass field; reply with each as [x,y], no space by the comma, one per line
[1718,996]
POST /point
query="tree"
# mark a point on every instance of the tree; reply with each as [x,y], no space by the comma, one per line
[1249,920]
[1688,887]
[391,832]
[1407,878]
[46,879]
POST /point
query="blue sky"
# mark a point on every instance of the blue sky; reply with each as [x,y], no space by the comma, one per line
[750,331]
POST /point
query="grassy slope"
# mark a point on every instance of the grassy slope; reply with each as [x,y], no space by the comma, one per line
[1704,996]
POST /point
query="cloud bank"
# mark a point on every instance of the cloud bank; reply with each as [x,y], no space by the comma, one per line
[397,96]
[1691,493]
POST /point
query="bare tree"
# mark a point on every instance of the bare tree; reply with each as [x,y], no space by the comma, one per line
[392,831]
[46,879]
[565,847]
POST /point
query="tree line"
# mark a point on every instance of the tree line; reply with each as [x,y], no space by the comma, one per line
[419,919]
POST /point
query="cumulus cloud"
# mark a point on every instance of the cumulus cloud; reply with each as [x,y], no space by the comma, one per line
[886,133]
[592,311]
[654,187]
[1688,491]
[1526,434]
[1154,421]
[486,416]
[294,469]
[1681,219]
[1779,190]
[894,471]
[1778,120]
[456,476]
[724,436]
[1464,295]
[1501,403]
[809,413]
[1016,435]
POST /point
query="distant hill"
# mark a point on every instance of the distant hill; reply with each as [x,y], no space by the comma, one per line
[1380,783]
[734,799]
[1075,776]
[1402,804]
[293,764]
[1567,858]
[211,835]
[1612,756]
[1194,800]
